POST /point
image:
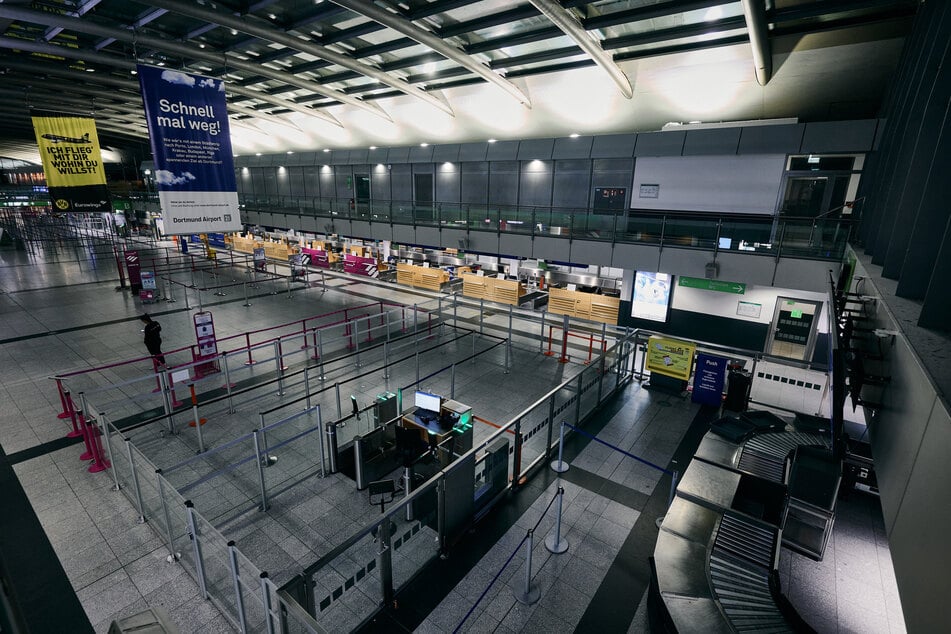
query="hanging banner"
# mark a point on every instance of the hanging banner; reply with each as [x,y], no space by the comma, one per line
[708,380]
[191,146]
[670,357]
[72,161]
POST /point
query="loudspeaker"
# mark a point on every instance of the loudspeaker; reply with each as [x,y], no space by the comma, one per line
[711,270]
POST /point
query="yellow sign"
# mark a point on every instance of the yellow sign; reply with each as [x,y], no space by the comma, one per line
[72,161]
[670,357]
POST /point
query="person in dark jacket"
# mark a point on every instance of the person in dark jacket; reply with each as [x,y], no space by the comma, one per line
[153,338]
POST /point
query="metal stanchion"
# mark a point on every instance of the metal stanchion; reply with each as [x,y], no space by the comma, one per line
[560,466]
[555,543]
[339,408]
[407,489]
[279,363]
[238,594]
[386,359]
[105,433]
[135,481]
[481,313]
[320,440]
[260,462]
[320,355]
[172,555]
[228,384]
[541,334]
[452,381]
[529,594]
[196,545]
[331,431]
[247,302]
[307,388]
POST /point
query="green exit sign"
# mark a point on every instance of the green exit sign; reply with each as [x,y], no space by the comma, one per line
[796,314]
[720,286]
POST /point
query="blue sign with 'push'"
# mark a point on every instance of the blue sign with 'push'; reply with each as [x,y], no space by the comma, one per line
[708,379]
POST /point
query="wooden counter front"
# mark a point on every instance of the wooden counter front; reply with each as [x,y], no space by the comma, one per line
[493,289]
[244,245]
[421,276]
[599,308]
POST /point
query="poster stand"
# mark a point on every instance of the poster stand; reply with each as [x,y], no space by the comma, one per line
[207,349]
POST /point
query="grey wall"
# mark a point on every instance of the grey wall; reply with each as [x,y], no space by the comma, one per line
[911,436]
[729,184]
[730,170]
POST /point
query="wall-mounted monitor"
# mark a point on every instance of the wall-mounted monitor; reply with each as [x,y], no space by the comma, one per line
[651,296]
[425,400]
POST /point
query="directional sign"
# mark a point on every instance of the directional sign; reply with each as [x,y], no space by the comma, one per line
[720,286]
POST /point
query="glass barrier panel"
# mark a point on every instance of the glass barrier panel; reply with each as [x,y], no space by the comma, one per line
[122,466]
[415,542]
[347,589]
[688,232]
[148,486]
[593,225]
[295,443]
[535,428]
[249,581]
[216,560]
[589,389]
[644,229]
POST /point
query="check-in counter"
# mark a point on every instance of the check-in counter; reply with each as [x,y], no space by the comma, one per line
[421,276]
[492,289]
[244,244]
[599,308]
[359,265]
[279,250]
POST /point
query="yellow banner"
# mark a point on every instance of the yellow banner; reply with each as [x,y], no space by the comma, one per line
[670,357]
[69,147]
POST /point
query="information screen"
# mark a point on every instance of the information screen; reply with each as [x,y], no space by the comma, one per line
[651,297]
[424,400]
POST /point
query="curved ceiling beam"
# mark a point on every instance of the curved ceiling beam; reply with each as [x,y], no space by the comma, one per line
[78,79]
[192,52]
[119,62]
[410,30]
[244,25]
[755,13]
[564,20]
[8,113]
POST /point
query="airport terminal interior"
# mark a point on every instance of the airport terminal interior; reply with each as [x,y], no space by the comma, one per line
[520,316]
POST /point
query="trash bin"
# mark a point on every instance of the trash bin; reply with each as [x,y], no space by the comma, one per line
[738,391]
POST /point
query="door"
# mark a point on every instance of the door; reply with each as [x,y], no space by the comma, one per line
[423,198]
[362,195]
[793,332]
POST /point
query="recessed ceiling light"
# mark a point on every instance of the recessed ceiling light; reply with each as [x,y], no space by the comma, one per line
[234,31]
[713,13]
[423,144]
[201,45]
[574,135]
[372,147]
[90,70]
[271,16]
[257,154]
[326,149]
[492,140]
[134,71]
[290,151]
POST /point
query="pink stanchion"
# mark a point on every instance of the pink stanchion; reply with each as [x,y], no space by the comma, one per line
[316,348]
[84,428]
[155,369]
[99,462]
[76,432]
[62,399]
[303,332]
[247,341]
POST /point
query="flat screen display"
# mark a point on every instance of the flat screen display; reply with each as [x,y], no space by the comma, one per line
[651,297]
[425,400]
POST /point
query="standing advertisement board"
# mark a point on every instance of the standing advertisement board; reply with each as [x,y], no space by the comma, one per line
[133,268]
[670,357]
[207,344]
[72,161]
[191,145]
[709,379]
[260,260]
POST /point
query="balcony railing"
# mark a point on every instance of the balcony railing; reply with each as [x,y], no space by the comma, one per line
[813,238]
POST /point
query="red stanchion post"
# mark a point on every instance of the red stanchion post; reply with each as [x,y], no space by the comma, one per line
[564,347]
[155,369]
[590,348]
[548,352]
[201,421]
[84,430]
[62,399]
[247,341]
[99,462]
[76,433]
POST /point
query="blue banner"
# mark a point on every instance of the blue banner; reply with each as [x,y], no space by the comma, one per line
[191,146]
[708,378]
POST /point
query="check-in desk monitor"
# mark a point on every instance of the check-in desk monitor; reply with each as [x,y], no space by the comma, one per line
[428,405]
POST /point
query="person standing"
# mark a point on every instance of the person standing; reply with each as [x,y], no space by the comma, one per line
[153,338]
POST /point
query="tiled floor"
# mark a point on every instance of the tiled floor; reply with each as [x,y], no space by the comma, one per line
[57,315]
